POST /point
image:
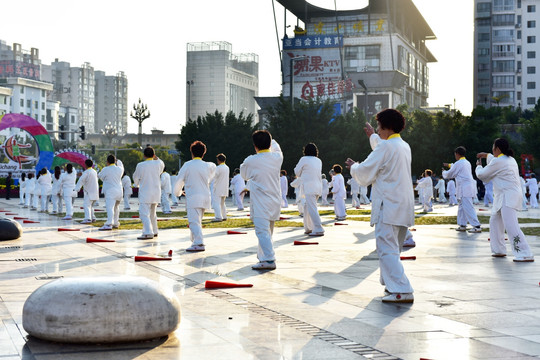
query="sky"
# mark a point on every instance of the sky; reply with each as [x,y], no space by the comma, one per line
[147,41]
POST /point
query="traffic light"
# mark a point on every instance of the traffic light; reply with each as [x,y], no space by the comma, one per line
[62,134]
[83,133]
[93,149]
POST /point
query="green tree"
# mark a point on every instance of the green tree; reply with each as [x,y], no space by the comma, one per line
[531,133]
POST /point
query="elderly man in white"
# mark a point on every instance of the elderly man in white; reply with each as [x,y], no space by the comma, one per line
[166,190]
[89,181]
[45,182]
[309,170]
[388,169]
[262,173]
[111,175]
[461,171]
[502,170]
[221,188]
[128,191]
[195,176]
[147,178]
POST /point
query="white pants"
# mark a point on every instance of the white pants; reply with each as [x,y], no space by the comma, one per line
[264,229]
[165,204]
[35,198]
[21,197]
[506,218]
[533,200]
[452,199]
[324,200]
[28,199]
[194,216]
[239,200]
[44,202]
[442,198]
[147,214]
[57,203]
[220,210]
[284,202]
[88,206]
[126,201]
[427,204]
[339,207]
[68,200]
[301,203]
[312,220]
[389,241]
[355,199]
[113,210]
[466,212]
[174,199]
[364,199]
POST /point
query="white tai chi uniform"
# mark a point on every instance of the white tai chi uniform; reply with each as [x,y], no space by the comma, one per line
[388,169]
[503,172]
[488,195]
[466,190]
[174,198]
[325,190]
[239,185]
[363,195]
[262,171]
[45,183]
[128,191]
[111,175]
[22,190]
[284,190]
[68,188]
[425,184]
[299,198]
[451,188]
[340,194]
[308,171]
[194,177]
[524,191]
[221,191]
[166,190]
[147,178]
[56,193]
[532,184]
[355,192]
[37,193]
[29,191]
[441,189]
[88,180]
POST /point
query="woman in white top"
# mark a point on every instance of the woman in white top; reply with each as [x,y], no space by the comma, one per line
[56,191]
[126,186]
[284,188]
[503,171]
[45,184]
[340,194]
[67,180]
[29,190]
[22,188]
[36,192]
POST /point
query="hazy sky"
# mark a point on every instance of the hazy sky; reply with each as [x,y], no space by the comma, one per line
[147,40]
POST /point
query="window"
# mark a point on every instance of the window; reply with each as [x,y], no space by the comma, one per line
[519,50]
[36,104]
[531,101]
[43,106]
[531,54]
[503,81]
[531,8]
[483,52]
[531,85]
[483,22]
[483,82]
[503,20]
[29,103]
[519,95]
[483,37]
[519,34]
[22,90]
[503,5]
[42,93]
[531,24]
[503,66]
[22,103]
[483,68]
[483,7]
[531,39]
[518,80]
[503,50]
[519,4]
[531,69]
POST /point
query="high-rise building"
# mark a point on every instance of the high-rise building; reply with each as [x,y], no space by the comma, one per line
[506,71]
[372,58]
[219,80]
[111,101]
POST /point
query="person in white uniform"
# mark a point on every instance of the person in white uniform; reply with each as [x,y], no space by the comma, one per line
[441,189]
[221,188]
[451,189]
[174,198]
[363,195]
[461,171]
[532,185]
[111,175]
[388,169]
[340,193]
[284,183]
[36,192]
[22,188]
[166,190]
[355,192]
[299,198]
[488,195]
[88,180]
[45,183]
[127,190]
[29,190]
[56,191]
[524,191]
[147,178]
[262,173]
[195,177]
[325,191]
[425,188]
[502,170]
[239,186]
[67,180]
[309,169]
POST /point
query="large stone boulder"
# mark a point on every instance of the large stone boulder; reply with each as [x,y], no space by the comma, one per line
[10,229]
[101,309]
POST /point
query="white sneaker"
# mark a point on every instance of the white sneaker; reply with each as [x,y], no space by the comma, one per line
[264,265]
[399,298]
[85,221]
[461,228]
[145,237]
[195,248]
[476,229]
[105,228]
[316,234]
[67,218]
[524,259]
[216,220]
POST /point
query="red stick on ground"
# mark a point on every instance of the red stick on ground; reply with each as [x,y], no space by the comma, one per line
[233,232]
[135,216]
[20,218]
[217,284]
[10,214]
[68,229]
[91,240]
[340,224]
[407,257]
[30,222]
[305,243]
[150,258]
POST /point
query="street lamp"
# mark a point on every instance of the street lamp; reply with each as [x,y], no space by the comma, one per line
[109,131]
[297,58]
[189,84]
[141,113]
[363,85]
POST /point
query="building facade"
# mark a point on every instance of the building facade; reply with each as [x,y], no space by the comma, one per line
[111,101]
[506,51]
[219,80]
[373,58]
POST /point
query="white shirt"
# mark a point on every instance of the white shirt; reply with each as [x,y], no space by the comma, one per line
[284,184]
[440,186]
[355,187]
[147,177]
[532,184]
[166,183]
[221,181]
[68,183]
[388,169]
[324,187]
[262,170]
[238,183]
[426,185]
[503,172]
[309,170]
[338,188]
[56,185]
[89,181]
[45,182]
[465,184]
[195,176]
[30,185]
[126,185]
[111,175]
[451,188]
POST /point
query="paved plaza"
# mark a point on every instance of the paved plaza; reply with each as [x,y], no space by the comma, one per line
[322,302]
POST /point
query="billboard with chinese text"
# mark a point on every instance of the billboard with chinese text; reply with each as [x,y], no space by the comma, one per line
[12,68]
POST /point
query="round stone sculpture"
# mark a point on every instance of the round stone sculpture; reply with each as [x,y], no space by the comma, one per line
[100,309]
[10,229]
